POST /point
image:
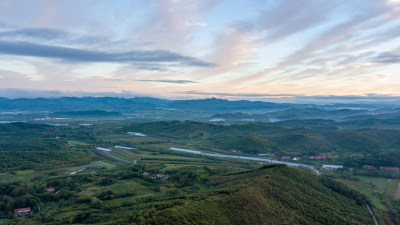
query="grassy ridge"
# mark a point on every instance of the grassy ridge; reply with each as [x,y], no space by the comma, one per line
[275,195]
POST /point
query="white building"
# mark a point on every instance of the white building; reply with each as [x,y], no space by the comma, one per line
[332,167]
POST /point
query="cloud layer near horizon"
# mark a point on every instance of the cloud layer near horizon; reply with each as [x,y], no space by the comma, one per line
[14,93]
[178,48]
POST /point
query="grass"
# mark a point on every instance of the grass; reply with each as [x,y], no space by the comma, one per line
[380,191]
[123,155]
[75,143]
[126,138]
[113,155]
[92,164]
[393,188]
[24,172]
[102,164]
[382,185]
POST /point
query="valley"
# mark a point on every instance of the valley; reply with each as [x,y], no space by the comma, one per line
[128,171]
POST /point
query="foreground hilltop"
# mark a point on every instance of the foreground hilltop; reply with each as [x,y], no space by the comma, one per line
[271,195]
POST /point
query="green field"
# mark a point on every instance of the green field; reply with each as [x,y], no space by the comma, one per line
[379,190]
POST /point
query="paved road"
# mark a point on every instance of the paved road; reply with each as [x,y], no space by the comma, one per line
[370,211]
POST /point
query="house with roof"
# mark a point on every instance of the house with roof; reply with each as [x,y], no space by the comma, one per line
[162,176]
[146,173]
[49,189]
[369,167]
[332,167]
[391,169]
[22,212]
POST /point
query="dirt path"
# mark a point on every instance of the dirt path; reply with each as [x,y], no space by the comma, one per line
[370,211]
[397,196]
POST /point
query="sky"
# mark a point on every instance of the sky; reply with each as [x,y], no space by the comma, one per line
[180,49]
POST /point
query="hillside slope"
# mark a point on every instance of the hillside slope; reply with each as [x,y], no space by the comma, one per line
[271,195]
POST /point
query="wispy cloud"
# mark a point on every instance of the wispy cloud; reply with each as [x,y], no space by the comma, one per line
[40,33]
[13,93]
[54,36]
[371,98]
[293,16]
[81,55]
[171,81]
[221,94]
[388,57]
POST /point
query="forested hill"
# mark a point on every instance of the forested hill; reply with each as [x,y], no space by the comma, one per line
[270,195]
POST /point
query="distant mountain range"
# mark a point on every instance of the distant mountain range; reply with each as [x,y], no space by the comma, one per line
[104,103]
[122,104]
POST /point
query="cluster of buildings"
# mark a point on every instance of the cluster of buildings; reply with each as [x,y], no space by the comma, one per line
[27,211]
[367,167]
[267,154]
[332,167]
[136,134]
[391,169]
[289,157]
[156,176]
[386,168]
[318,157]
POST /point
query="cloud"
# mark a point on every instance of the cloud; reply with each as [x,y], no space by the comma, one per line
[40,33]
[171,81]
[387,57]
[172,22]
[293,16]
[53,36]
[4,25]
[370,98]
[80,55]
[13,93]
[348,37]
[292,46]
[234,94]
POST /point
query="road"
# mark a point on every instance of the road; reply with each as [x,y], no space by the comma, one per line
[242,157]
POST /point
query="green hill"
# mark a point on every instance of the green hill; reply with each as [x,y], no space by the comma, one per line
[247,144]
[302,143]
[271,195]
